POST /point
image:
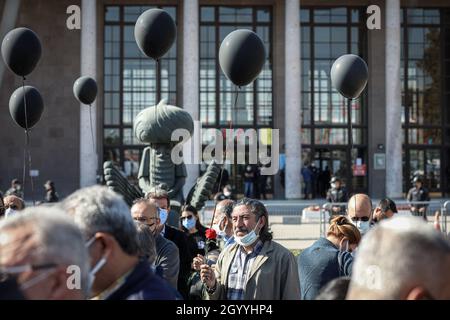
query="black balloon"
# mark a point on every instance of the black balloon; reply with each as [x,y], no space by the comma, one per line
[155,32]
[21,51]
[34,106]
[349,75]
[242,56]
[85,90]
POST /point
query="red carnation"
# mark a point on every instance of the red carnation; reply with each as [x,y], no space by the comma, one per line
[211,234]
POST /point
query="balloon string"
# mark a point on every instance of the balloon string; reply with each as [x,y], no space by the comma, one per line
[24,166]
[29,165]
[223,163]
[27,150]
[157,87]
[92,128]
[157,96]
[351,140]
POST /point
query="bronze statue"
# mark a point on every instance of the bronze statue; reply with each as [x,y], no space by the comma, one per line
[154,126]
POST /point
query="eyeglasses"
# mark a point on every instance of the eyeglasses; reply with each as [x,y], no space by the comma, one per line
[8,272]
[188,217]
[360,219]
[12,206]
[144,220]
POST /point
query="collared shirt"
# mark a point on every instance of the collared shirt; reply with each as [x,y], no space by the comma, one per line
[239,271]
[113,287]
[228,241]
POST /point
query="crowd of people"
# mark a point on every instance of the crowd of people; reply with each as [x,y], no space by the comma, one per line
[92,245]
[13,199]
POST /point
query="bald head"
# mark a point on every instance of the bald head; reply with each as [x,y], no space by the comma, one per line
[401,258]
[359,206]
[14,202]
[225,207]
[222,218]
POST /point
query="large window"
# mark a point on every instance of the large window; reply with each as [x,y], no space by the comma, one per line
[425,91]
[326,34]
[132,82]
[254,105]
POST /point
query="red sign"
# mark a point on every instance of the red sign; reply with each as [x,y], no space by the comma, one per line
[359,170]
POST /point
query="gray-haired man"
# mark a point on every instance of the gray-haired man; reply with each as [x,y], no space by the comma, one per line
[111,235]
[255,267]
[401,258]
[45,250]
[167,257]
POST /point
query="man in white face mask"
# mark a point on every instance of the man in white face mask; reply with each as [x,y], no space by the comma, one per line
[117,272]
[13,205]
[223,225]
[359,211]
[44,250]
[255,267]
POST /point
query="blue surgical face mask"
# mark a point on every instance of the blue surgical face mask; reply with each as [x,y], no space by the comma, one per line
[249,239]
[189,223]
[363,226]
[100,264]
[220,233]
[163,215]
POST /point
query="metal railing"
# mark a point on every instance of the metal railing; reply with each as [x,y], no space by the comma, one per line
[288,212]
[443,217]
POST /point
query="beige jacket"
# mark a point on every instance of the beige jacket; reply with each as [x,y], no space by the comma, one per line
[273,274]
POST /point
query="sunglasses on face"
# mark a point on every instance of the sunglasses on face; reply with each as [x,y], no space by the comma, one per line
[360,219]
[188,217]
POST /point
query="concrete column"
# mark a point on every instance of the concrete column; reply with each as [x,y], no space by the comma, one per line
[88,158]
[376,109]
[191,86]
[293,96]
[393,101]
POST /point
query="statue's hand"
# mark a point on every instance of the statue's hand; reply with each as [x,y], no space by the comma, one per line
[172,193]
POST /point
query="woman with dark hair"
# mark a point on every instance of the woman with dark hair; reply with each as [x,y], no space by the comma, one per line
[196,232]
[2,206]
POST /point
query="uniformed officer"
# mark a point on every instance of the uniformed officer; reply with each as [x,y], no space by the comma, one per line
[337,193]
[418,193]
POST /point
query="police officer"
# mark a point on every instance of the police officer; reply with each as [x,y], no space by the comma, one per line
[418,193]
[50,192]
[337,193]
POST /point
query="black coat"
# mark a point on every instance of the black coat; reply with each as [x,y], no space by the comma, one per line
[181,240]
[143,284]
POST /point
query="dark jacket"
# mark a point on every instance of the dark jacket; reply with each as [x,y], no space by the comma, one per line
[168,259]
[319,264]
[181,240]
[197,241]
[143,284]
[51,196]
[418,194]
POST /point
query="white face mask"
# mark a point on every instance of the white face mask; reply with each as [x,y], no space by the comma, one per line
[249,239]
[29,283]
[96,268]
[33,281]
[363,226]
[220,233]
[10,212]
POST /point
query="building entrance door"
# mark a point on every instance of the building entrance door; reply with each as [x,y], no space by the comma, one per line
[330,162]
